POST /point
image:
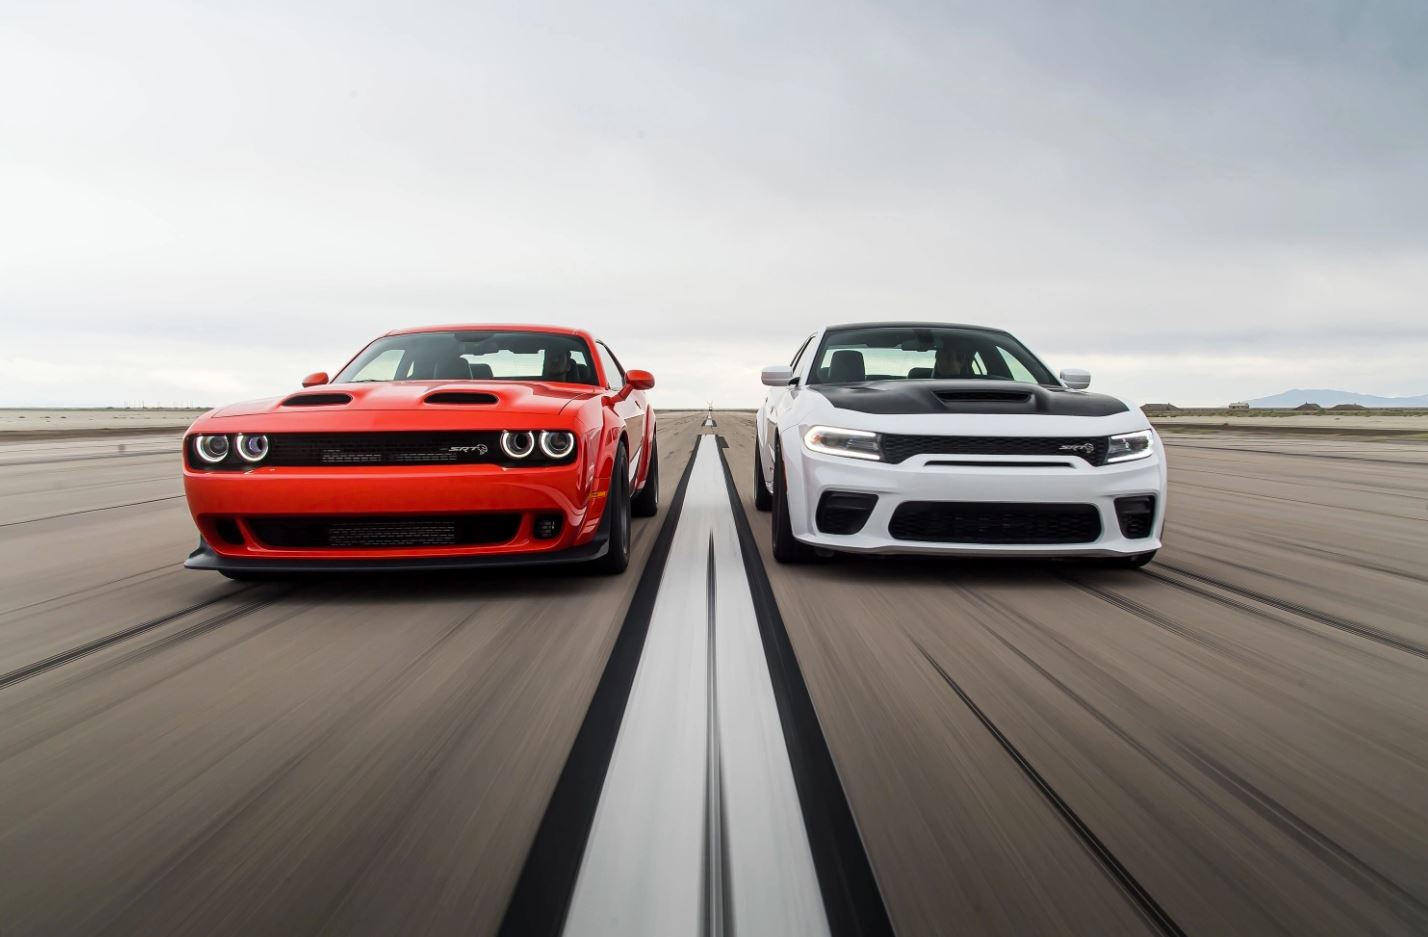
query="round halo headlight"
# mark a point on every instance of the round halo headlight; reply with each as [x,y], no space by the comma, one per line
[211,449]
[519,444]
[252,448]
[557,444]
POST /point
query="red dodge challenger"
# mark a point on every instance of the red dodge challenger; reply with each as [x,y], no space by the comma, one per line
[435,448]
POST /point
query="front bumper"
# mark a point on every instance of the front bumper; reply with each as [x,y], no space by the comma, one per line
[221,502]
[811,474]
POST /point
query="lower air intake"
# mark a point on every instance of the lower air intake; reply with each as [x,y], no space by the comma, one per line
[844,512]
[375,533]
[1136,515]
[995,523]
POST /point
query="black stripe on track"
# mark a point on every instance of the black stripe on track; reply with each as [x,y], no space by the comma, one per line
[543,892]
[851,897]
[1148,907]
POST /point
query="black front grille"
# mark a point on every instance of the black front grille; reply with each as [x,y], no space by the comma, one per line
[449,448]
[356,531]
[844,512]
[898,448]
[994,522]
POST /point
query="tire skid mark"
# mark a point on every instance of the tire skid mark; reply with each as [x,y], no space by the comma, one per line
[208,837]
[77,593]
[1357,629]
[110,507]
[1319,844]
[1299,455]
[1150,616]
[22,745]
[1149,909]
[98,644]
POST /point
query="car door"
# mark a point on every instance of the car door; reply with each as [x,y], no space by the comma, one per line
[630,408]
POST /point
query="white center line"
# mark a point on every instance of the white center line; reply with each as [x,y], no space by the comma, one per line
[649,862]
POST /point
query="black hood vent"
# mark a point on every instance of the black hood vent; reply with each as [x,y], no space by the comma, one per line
[317,400]
[969,395]
[466,397]
[982,396]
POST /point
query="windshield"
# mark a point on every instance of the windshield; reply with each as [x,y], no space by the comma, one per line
[910,353]
[473,356]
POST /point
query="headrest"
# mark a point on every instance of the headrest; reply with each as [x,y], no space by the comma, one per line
[847,365]
[455,368]
[917,373]
[481,372]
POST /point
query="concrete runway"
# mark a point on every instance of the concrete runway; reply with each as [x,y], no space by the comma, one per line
[1231,741]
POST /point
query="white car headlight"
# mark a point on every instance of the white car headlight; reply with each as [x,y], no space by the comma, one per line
[853,443]
[1127,447]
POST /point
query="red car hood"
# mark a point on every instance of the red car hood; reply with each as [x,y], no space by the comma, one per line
[512,397]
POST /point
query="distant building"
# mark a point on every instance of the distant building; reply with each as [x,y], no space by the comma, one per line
[1348,406]
[1240,405]
[1158,407]
[1308,406]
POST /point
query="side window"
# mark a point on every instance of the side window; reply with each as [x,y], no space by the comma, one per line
[381,368]
[1017,369]
[614,374]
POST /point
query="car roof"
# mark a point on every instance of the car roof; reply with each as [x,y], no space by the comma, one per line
[492,327]
[915,325]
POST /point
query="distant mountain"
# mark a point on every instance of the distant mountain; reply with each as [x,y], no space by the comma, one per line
[1328,398]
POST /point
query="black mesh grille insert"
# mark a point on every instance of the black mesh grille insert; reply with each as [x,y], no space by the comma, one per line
[844,512]
[897,448]
[994,522]
[358,531]
[1135,516]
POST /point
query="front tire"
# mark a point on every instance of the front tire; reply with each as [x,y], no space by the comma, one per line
[617,551]
[786,547]
[763,500]
[646,503]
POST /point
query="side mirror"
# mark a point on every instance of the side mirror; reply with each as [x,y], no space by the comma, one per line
[639,380]
[778,375]
[315,378]
[1076,379]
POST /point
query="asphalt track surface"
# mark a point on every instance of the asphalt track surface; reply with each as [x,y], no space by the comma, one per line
[1231,741]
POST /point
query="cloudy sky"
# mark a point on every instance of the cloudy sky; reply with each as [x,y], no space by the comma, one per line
[201,202]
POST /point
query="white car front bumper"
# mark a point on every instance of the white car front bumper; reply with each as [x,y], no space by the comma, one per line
[811,474]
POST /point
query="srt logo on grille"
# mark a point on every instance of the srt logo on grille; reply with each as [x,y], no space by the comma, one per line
[1085,447]
[478,449]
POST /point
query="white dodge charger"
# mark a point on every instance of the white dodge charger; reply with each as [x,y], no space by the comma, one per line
[929,438]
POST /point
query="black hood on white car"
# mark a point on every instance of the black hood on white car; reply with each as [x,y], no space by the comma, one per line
[966,396]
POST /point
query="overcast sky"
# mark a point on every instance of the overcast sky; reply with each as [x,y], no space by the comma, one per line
[1199,202]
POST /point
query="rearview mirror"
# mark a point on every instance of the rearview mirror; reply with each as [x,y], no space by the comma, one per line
[639,380]
[1076,379]
[779,375]
[315,378]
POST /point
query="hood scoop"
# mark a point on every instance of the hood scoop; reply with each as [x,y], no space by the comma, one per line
[317,400]
[461,398]
[982,396]
[968,395]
